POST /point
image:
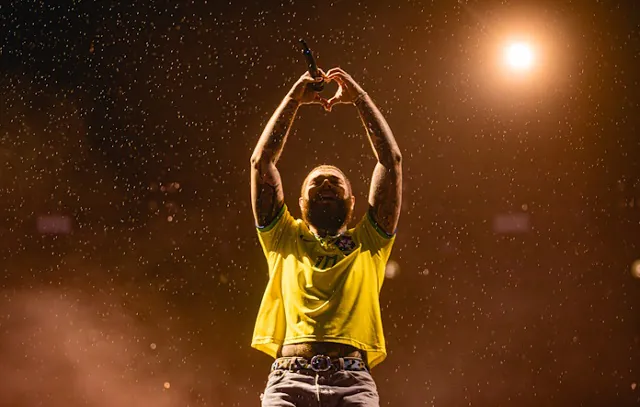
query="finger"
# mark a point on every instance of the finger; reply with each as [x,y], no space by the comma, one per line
[328,103]
[333,70]
[342,82]
[307,78]
[341,79]
[342,71]
[325,103]
[337,70]
[337,77]
[334,101]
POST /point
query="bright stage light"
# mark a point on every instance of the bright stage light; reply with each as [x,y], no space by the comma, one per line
[519,55]
[635,269]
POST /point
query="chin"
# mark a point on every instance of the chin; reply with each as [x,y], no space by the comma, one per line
[327,216]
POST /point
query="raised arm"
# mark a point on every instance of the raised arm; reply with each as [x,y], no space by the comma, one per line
[385,195]
[267,196]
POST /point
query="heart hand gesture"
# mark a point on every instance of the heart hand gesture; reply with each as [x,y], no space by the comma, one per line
[348,90]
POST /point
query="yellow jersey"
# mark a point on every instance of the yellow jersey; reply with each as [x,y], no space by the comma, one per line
[322,290]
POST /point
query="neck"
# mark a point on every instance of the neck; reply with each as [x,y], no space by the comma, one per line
[326,232]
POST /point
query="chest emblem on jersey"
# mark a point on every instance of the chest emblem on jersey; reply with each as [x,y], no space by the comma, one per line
[345,243]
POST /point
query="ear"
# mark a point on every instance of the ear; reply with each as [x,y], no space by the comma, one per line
[301,203]
[353,201]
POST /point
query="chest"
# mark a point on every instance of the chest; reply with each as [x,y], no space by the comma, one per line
[326,254]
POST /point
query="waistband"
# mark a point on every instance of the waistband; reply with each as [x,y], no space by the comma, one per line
[319,363]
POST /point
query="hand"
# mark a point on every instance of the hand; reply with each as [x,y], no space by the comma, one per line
[348,89]
[302,91]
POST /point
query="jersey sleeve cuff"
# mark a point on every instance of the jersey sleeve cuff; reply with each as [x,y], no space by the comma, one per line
[273,222]
[378,229]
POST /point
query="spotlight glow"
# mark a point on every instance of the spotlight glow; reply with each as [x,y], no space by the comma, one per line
[635,269]
[519,56]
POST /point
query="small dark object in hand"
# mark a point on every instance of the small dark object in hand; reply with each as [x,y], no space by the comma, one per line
[311,66]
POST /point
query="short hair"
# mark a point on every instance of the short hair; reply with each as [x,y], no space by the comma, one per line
[321,168]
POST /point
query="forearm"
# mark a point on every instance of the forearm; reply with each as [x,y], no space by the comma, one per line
[380,135]
[275,133]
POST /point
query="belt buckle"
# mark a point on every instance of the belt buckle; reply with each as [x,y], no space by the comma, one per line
[320,363]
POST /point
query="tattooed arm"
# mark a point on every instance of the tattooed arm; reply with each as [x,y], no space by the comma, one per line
[385,195]
[267,196]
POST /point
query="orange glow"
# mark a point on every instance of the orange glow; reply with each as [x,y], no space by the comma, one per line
[519,55]
[635,268]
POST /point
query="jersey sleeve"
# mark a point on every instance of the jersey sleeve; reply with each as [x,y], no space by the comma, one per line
[273,235]
[373,238]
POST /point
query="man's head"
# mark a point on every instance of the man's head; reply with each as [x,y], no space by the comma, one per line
[326,199]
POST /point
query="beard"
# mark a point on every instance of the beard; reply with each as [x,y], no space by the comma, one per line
[329,216]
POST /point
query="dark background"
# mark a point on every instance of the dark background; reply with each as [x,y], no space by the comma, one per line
[137,121]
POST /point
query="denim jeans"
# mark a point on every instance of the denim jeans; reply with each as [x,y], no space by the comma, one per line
[336,388]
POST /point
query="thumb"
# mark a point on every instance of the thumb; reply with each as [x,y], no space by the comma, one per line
[334,101]
[337,98]
[325,103]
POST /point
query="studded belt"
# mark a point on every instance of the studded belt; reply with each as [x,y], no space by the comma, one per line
[318,363]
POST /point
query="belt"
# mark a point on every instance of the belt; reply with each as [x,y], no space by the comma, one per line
[318,363]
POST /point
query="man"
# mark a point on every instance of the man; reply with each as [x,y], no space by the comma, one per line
[320,314]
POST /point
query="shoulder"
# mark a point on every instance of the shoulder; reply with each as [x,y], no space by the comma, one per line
[283,221]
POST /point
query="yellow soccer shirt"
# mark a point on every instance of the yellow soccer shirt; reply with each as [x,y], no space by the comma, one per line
[322,291]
